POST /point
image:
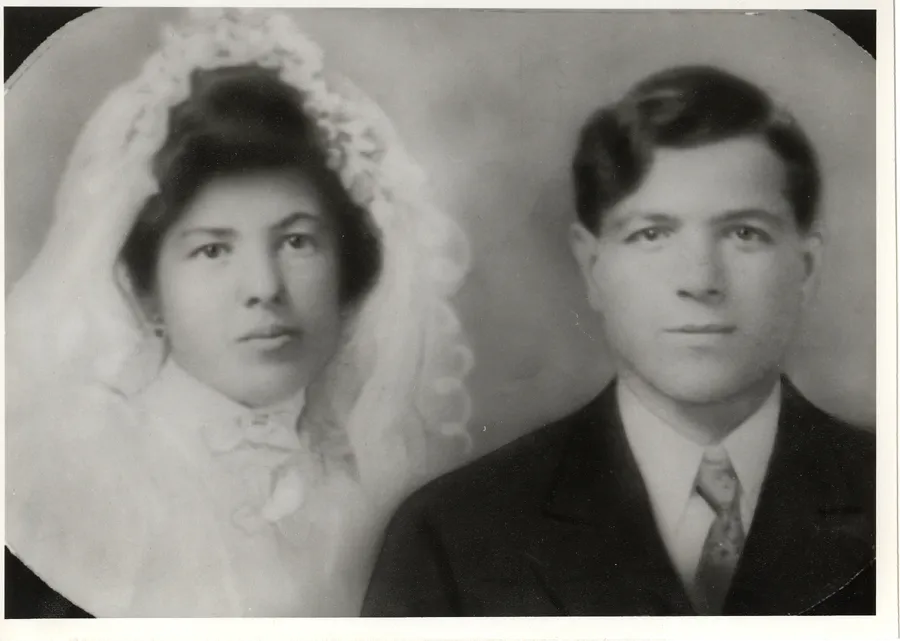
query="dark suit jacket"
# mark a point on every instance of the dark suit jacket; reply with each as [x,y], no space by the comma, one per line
[559,523]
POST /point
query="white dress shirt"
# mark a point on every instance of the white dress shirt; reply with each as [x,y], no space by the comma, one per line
[668,462]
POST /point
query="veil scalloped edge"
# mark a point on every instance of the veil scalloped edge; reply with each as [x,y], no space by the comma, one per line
[393,395]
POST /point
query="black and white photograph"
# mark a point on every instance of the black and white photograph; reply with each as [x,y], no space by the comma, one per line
[393,314]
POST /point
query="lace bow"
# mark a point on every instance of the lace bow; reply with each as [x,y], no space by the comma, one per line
[266,452]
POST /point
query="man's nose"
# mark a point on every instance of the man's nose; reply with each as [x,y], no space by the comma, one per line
[261,279]
[699,272]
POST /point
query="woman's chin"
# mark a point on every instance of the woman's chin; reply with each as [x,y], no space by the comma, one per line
[251,381]
[264,387]
[267,395]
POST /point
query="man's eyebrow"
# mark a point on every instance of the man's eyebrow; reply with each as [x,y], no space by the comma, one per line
[617,222]
[765,215]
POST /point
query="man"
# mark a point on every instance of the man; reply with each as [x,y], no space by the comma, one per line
[700,481]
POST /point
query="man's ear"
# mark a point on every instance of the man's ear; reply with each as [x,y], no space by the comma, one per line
[812,246]
[584,248]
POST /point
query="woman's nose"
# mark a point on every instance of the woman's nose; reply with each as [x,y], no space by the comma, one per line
[261,279]
[699,273]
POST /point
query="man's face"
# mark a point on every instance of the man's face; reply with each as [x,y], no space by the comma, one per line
[701,273]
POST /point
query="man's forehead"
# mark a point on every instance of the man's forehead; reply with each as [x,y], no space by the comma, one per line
[736,174]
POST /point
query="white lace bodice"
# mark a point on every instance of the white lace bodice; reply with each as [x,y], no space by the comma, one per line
[218,510]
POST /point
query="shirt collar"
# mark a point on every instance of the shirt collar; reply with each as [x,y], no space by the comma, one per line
[668,461]
[750,446]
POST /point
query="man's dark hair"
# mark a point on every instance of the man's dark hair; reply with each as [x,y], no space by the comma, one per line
[685,107]
[242,119]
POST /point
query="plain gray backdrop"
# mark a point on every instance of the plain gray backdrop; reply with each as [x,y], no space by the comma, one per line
[490,103]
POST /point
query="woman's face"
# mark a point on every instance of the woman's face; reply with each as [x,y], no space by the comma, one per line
[247,286]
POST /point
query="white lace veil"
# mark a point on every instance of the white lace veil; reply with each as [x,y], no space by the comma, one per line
[71,323]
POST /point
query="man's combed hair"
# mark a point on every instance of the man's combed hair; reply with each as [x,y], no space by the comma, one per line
[685,107]
[240,119]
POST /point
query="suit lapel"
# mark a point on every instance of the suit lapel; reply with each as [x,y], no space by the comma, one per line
[600,553]
[598,550]
[808,537]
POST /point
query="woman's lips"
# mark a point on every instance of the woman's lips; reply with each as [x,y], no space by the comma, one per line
[270,337]
[710,328]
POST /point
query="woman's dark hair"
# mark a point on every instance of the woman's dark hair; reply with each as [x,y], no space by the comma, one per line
[680,108]
[241,119]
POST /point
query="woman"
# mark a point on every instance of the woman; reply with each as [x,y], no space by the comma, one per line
[235,352]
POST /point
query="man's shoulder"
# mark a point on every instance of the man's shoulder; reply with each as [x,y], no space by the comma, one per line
[854,443]
[843,451]
[511,474]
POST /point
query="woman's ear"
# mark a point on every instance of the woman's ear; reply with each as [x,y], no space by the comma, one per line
[583,243]
[144,305]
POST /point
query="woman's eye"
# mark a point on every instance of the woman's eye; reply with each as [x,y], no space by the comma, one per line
[648,235]
[300,242]
[211,251]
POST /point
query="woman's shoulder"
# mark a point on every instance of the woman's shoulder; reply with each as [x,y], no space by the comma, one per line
[80,504]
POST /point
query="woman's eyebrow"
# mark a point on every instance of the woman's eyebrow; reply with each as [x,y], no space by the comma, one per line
[297,217]
[216,232]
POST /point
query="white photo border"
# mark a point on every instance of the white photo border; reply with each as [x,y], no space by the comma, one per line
[885,625]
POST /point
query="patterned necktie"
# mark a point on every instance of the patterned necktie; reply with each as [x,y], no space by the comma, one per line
[718,484]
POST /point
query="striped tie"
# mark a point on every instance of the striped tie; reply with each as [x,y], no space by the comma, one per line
[718,484]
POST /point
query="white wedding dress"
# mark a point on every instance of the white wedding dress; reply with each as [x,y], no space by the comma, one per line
[133,489]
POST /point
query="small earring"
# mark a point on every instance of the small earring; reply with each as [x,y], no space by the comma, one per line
[159,328]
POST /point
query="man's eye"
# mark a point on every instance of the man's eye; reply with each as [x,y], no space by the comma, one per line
[748,234]
[647,235]
[211,251]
